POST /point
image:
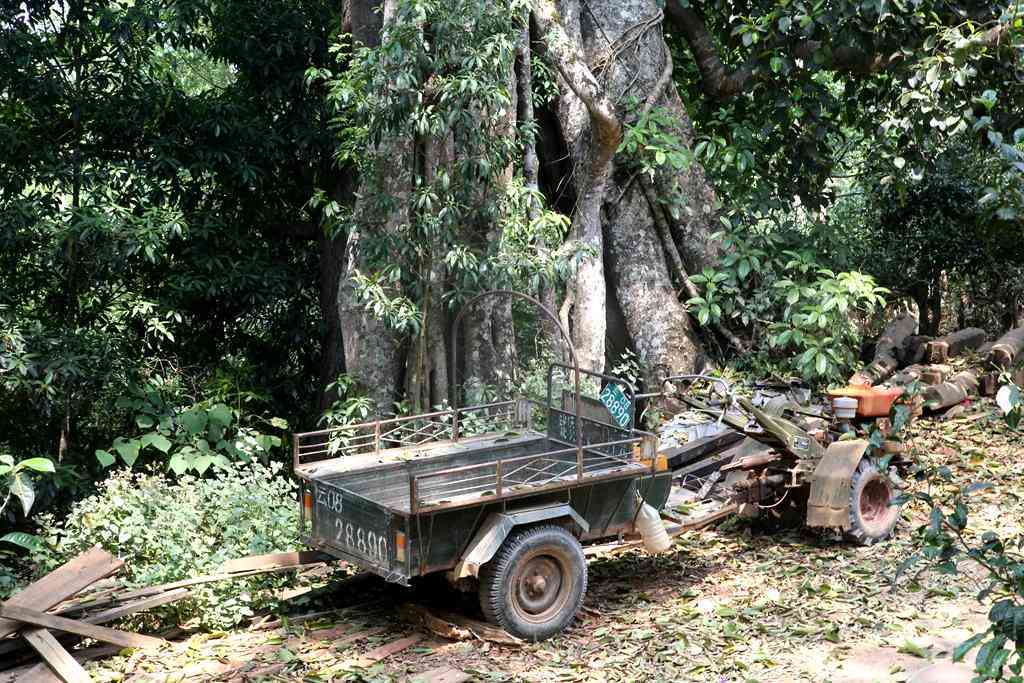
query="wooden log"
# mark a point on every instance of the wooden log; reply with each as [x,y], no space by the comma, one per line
[907,375]
[62,583]
[954,344]
[989,384]
[1007,348]
[935,374]
[956,390]
[914,348]
[55,656]
[888,350]
[81,628]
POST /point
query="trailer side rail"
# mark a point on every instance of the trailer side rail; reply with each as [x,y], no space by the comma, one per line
[410,430]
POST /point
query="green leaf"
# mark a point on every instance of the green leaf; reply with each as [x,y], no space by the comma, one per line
[38,464]
[194,421]
[105,458]
[221,415]
[23,540]
[961,650]
[280,422]
[202,463]
[909,647]
[144,421]
[157,441]
[128,449]
[21,487]
[178,464]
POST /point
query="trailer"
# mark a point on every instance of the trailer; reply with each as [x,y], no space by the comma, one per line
[504,493]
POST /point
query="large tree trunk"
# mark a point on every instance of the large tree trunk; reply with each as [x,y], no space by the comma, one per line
[624,45]
[332,360]
[593,131]
[656,321]
[531,172]
[373,350]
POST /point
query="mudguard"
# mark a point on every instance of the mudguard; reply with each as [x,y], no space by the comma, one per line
[828,504]
[495,529]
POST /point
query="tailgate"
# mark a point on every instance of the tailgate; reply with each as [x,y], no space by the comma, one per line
[357,530]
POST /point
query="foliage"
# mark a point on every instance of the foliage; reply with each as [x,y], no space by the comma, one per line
[169,530]
[148,195]
[16,481]
[944,542]
[349,406]
[433,88]
[796,310]
[191,438]
[14,477]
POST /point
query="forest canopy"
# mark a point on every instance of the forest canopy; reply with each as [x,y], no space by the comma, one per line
[219,219]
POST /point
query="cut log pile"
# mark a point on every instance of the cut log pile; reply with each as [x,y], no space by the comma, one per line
[71,602]
[902,357]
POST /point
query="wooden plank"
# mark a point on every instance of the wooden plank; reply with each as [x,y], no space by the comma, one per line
[388,649]
[274,560]
[137,606]
[41,673]
[102,633]
[208,578]
[58,659]
[443,674]
[62,583]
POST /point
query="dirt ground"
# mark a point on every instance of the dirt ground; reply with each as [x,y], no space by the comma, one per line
[735,603]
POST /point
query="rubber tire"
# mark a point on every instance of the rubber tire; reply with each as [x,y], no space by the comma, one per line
[498,580]
[865,531]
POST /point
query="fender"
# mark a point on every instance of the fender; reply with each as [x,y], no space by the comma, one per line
[496,528]
[828,505]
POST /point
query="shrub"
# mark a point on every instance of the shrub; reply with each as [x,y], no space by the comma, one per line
[801,316]
[167,530]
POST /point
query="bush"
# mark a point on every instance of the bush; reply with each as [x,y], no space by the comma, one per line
[801,316]
[169,530]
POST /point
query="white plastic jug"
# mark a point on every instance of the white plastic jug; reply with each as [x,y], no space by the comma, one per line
[652,530]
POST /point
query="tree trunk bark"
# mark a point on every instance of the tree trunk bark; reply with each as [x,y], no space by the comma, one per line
[372,349]
[590,112]
[624,45]
[531,172]
[332,359]
[655,319]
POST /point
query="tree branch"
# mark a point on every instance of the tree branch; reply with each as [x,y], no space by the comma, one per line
[722,83]
[569,61]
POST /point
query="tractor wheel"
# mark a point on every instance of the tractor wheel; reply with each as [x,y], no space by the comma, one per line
[872,514]
[534,585]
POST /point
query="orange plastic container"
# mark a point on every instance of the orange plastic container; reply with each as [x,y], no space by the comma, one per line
[871,401]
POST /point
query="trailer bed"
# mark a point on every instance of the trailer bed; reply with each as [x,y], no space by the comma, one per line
[450,476]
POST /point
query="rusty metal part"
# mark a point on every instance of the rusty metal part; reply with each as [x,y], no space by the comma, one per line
[752,462]
[828,505]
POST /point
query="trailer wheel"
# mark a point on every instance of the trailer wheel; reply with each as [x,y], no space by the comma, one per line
[872,515]
[534,585]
